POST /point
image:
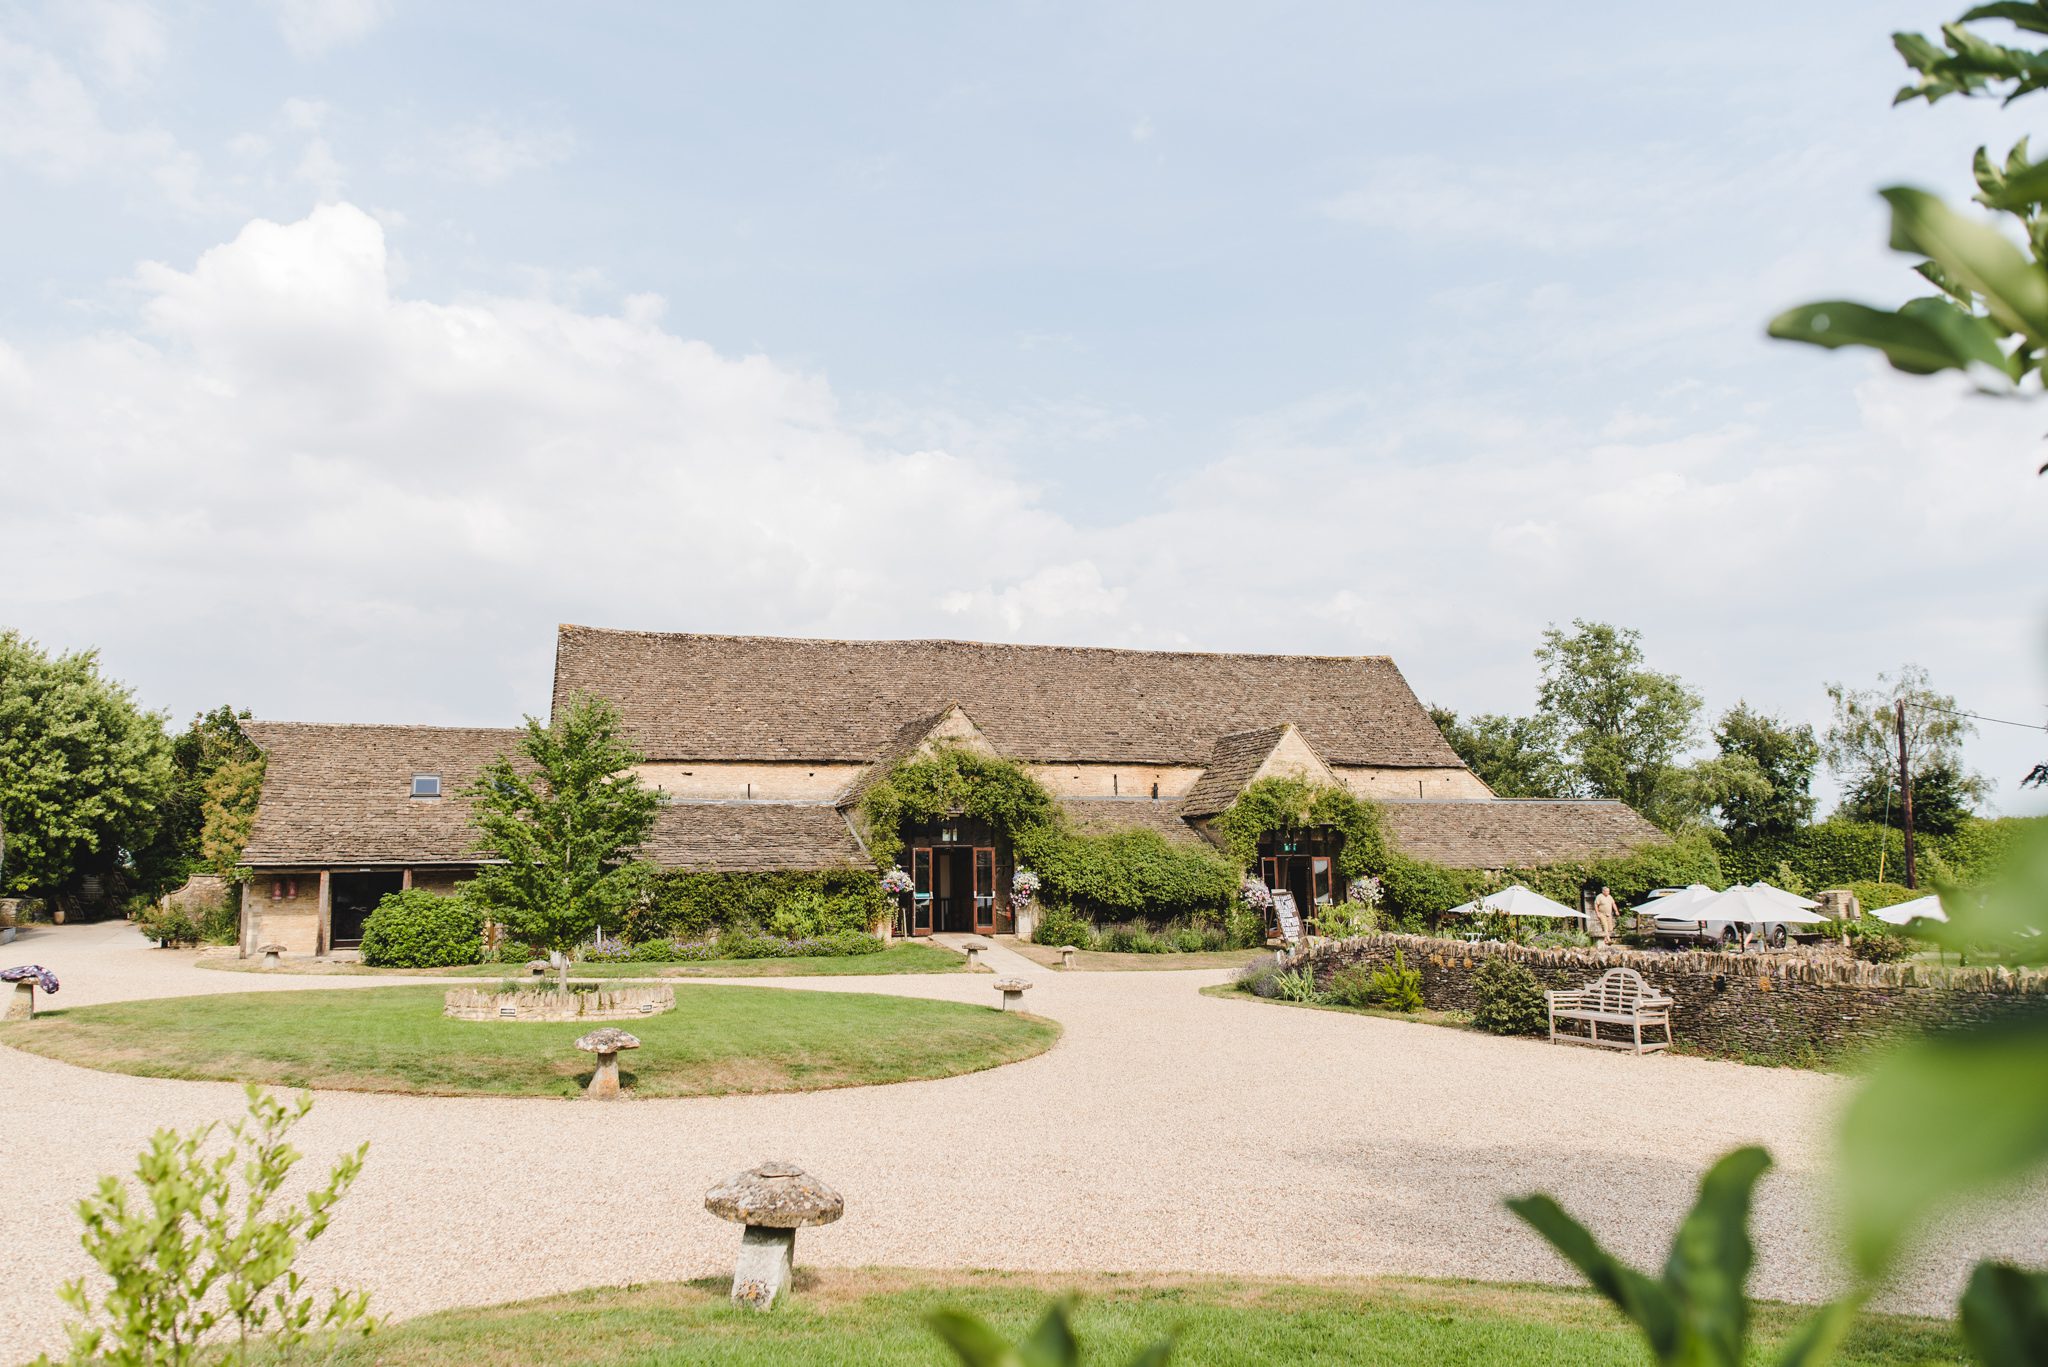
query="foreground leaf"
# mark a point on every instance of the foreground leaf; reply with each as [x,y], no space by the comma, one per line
[2005,1316]
[1941,1119]
[2014,289]
[1647,1304]
[1711,1256]
[1925,336]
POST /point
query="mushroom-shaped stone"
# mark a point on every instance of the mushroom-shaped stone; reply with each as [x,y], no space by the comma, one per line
[974,948]
[273,956]
[1067,953]
[1013,990]
[606,1044]
[536,967]
[772,1201]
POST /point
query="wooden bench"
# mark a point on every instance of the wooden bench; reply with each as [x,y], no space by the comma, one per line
[1620,997]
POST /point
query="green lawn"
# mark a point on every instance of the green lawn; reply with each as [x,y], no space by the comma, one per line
[394,1039]
[877,1317]
[897,958]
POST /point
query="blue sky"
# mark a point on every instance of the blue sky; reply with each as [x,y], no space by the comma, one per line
[347,347]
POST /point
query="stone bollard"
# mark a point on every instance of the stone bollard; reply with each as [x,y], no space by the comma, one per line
[1067,953]
[772,1201]
[273,956]
[21,1003]
[1013,990]
[974,954]
[536,968]
[606,1044]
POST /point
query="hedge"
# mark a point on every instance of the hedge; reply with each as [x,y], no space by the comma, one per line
[1833,854]
[688,905]
[1127,873]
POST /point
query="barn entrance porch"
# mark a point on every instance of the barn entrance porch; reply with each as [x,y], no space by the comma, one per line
[953,874]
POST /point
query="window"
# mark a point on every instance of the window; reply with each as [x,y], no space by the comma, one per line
[426,785]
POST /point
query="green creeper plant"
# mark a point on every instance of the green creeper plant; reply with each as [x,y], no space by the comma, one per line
[1697,1313]
[565,826]
[201,1265]
[1050,1344]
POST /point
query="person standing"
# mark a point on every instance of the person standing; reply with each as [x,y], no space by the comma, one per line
[1606,914]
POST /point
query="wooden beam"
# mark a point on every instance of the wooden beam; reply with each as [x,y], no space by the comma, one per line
[322,940]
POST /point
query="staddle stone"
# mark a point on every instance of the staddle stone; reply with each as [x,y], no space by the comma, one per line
[773,1201]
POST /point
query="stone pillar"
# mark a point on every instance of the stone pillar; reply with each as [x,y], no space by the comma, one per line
[21,1002]
[1839,903]
[762,1273]
[405,881]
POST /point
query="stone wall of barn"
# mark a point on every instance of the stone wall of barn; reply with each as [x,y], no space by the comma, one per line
[1775,1007]
[282,909]
[1365,781]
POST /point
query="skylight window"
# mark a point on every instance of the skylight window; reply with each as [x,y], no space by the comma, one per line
[426,785]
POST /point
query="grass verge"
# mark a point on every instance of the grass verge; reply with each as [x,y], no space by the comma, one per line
[897,958]
[1097,961]
[876,1316]
[718,1040]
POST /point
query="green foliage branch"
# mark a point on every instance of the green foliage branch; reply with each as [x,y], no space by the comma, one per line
[200,1267]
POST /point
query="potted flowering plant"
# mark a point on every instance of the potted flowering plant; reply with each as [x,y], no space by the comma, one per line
[896,882]
[1256,895]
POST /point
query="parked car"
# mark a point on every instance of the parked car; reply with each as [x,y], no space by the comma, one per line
[1699,915]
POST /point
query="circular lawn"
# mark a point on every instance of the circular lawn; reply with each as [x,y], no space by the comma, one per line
[718,1040]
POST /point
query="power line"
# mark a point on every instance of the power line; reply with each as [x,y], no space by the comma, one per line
[1978,716]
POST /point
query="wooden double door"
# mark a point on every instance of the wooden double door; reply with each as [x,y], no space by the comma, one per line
[953,888]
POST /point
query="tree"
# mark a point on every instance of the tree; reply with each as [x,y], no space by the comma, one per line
[564,823]
[1621,726]
[1989,315]
[84,772]
[207,813]
[1514,756]
[1862,749]
[1762,781]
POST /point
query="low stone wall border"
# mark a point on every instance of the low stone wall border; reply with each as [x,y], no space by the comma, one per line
[552,1004]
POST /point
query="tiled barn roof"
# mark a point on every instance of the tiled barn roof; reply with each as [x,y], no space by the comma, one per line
[695,697]
[1498,833]
[1231,765]
[1095,815]
[751,837]
[336,794]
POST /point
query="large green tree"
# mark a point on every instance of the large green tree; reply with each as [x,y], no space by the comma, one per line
[84,774]
[1862,747]
[1761,781]
[566,824]
[1621,726]
[210,807]
[1515,756]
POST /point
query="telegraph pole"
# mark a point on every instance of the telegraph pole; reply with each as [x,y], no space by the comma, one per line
[1906,793]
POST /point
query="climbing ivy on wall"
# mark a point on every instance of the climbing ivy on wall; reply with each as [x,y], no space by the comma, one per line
[953,781]
[1288,804]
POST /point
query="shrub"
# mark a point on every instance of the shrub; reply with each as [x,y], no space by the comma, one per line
[221,923]
[1058,925]
[421,929]
[1876,942]
[1510,1000]
[1871,896]
[1131,939]
[1347,920]
[661,951]
[172,926]
[1129,873]
[1260,978]
[1396,987]
[1188,940]
[206,1253]
[1560,939]
[1243,927]
[809,911]
[1352,986]
[1298,985]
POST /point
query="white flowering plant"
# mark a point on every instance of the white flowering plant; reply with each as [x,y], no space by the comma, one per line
[896,882]
[1024,886]
[1256,895]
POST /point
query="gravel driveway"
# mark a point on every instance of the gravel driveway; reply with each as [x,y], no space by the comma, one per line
[1167,1131]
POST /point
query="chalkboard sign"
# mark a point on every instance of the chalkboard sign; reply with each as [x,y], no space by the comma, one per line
[1289,916]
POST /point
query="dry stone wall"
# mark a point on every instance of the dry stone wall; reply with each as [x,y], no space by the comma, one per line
[1782,1007]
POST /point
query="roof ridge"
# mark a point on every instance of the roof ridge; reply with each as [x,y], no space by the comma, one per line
[567,627]
[378,726]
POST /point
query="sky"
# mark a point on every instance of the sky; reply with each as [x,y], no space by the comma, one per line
[346,347]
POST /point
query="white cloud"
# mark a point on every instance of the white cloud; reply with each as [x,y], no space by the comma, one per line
[377,506]
[51,123]
[312,27]
[127,40]
[483,153]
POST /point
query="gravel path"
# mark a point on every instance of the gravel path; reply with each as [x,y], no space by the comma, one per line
[1167,1131]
